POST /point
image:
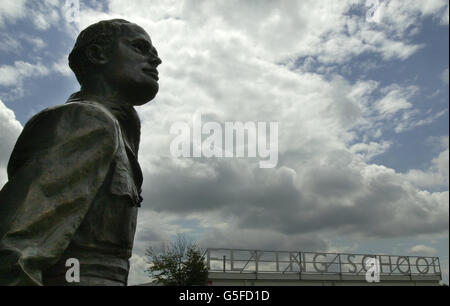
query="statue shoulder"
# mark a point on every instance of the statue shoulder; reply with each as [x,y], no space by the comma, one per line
[74,125]
[70,119]
[86,114]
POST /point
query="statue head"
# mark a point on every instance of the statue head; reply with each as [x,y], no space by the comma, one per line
[121,55]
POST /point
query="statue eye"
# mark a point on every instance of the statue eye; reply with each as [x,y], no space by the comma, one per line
[140,46]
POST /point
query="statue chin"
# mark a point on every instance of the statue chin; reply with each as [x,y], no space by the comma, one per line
[141,95]
[147,98]
[143,101]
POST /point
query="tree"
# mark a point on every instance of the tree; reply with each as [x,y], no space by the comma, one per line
[178,263]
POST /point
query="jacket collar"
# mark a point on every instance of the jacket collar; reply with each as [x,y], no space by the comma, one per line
[124,113]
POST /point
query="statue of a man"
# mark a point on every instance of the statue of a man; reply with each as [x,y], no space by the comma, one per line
[74,181]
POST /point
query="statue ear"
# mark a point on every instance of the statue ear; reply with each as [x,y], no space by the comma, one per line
[96,55]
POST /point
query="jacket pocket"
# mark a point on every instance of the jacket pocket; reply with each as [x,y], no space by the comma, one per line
[122,182]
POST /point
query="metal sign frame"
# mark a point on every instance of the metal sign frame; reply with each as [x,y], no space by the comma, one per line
[289,262]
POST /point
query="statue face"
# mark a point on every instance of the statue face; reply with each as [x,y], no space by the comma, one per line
[131,67]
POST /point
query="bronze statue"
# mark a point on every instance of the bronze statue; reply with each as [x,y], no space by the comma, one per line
[74,180]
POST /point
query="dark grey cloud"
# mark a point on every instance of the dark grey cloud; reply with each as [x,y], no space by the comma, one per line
[371,201]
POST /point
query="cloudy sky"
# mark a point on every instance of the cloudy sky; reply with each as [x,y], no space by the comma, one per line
[362,105]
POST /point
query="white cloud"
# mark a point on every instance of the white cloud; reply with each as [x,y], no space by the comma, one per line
[445,18]
[309,28]
[14,43]
[370,150]
[138,265]
[394,110]
[11,10]
[9,43]
[36,42]
[444,141]
[444,76]
[422,250]
[62,67]
[396,99]
[410,120]
[10,129]
[14,75]
[436,175]
[45,14]
[403,17]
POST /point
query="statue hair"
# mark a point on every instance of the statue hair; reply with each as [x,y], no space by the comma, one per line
[102,33]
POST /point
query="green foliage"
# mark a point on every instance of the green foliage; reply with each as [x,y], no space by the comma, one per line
[179,263]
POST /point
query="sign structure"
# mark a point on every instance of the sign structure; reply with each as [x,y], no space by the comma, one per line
[310,263]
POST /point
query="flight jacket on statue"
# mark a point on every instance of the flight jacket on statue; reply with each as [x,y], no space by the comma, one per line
[73,191]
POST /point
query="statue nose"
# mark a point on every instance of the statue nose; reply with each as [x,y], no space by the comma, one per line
[155,60]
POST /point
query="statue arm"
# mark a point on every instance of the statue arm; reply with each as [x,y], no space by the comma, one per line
[59,164]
